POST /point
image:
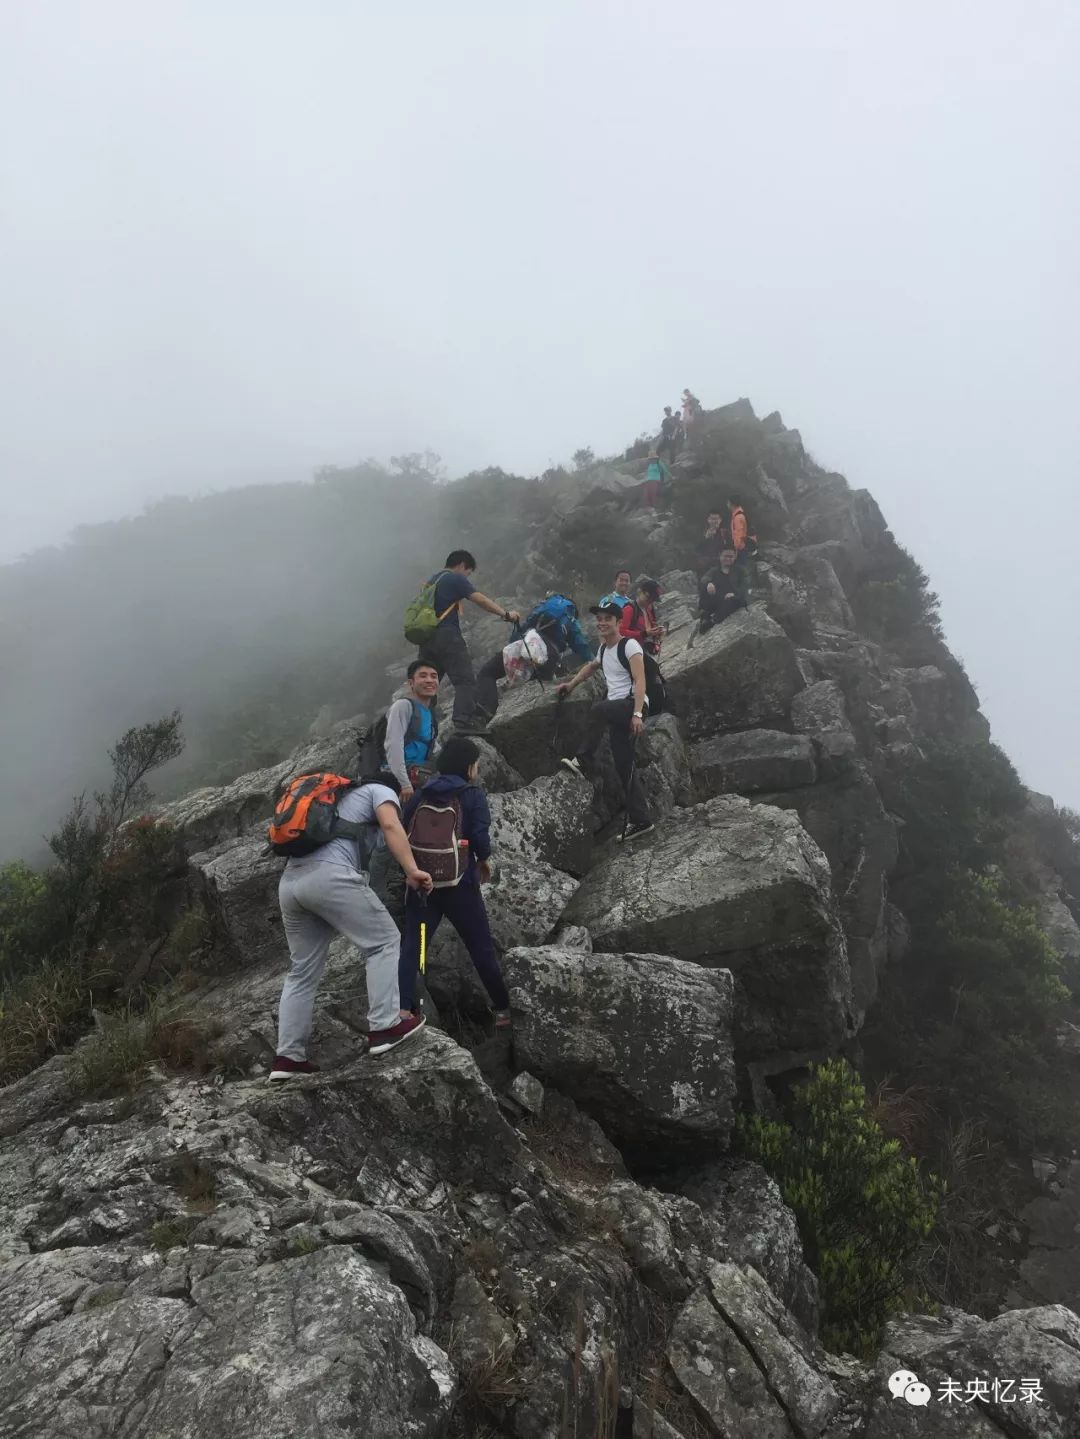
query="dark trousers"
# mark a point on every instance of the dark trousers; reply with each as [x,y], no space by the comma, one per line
[448,652]
[716,607]
[487,690]
[614,716]
[464,907]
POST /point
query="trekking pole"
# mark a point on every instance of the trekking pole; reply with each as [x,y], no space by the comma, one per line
[423,932]
[629,787]
[553,747]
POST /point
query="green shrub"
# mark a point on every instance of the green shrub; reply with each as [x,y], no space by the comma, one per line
[171,1233]
[41,1013]
[23,917]
[863,1206]
[894,608]
[127,1042]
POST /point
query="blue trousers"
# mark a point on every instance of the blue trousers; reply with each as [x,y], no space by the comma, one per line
[464,907]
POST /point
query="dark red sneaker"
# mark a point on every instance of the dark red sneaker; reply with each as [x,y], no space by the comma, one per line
[380,1041]
[285,1068]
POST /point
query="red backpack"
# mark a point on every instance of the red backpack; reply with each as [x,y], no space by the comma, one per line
[306,817]
[437,844]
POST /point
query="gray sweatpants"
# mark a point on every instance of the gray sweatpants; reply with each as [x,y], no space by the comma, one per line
[317,902]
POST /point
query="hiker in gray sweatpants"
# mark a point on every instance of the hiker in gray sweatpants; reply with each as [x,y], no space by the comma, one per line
[326,893]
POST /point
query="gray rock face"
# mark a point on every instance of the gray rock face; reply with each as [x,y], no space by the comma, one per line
[208,816]
[743,887]
[546,820]
[750,761]
[640,1041]
[1038,1344]
[524,903]
[849,822]
[740,675]
[747,1365]
[752,1225]
[1050,1271]
[237,881]
[819,711]
[497,775]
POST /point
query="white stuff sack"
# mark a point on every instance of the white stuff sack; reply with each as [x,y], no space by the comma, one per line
[522,657]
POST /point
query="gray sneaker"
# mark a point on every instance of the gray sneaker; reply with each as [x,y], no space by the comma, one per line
[636,831]
[574,768]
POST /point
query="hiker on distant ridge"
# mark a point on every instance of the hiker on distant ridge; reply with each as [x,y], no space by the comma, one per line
[722,591]
[669,435]
[621,714]
[446,648]
[656,474]
[458,896]
[639,622]
[691,409]
[620,595]
[555,619]
[325,892]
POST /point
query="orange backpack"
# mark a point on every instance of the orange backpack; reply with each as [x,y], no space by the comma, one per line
[306,817]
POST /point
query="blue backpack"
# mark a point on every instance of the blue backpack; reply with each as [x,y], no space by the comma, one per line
[555,610]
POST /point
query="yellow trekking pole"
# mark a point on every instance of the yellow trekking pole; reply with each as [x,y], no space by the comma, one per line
[423,933]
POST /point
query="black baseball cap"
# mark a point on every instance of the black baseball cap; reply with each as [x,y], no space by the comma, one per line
[615,610]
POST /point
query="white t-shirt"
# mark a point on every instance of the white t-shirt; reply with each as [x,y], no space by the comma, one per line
[358,806]
[619,681]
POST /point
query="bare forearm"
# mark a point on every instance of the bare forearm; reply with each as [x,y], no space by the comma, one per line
[584,673]
[486,604]
[398,844]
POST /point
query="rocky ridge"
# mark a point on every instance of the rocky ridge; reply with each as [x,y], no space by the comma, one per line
[556,1241]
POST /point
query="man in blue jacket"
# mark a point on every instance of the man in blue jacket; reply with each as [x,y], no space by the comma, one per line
[462,904]
[555,619]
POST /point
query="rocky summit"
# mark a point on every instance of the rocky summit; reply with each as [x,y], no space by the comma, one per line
[557,1234]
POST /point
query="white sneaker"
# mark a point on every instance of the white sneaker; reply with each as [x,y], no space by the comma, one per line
[573,766]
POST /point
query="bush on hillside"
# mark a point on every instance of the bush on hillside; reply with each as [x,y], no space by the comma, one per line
[77,932]
[863,1206]
[900,609]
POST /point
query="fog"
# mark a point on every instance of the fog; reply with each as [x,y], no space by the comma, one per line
[243,241]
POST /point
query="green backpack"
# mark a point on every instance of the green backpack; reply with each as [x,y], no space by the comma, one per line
[421,621]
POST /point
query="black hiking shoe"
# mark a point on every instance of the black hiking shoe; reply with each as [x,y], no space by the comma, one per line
[475,726]
[637,830]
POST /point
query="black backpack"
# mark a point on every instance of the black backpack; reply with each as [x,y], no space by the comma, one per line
[372,742]
[655,684]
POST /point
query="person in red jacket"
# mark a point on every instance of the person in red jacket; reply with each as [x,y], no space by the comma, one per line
[639,622]
[742,541]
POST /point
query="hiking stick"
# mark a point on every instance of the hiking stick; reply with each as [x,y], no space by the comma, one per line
[423,932]
[553,746]
[629,787]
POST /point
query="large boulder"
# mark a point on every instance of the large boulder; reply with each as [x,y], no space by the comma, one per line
[730,885]
[750,761]
[751,1224]
[640,1041]
[973,1361]
[208,816]
[749,1368]
[741,674]
[221,1356]
[547,820]
[237,882]
[525,901]
[848,820]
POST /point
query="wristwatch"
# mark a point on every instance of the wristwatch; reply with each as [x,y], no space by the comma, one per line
[638,714]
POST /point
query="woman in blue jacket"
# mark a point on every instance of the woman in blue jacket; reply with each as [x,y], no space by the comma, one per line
[458,767]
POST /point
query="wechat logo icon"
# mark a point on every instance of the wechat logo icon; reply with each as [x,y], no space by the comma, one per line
[906,1385]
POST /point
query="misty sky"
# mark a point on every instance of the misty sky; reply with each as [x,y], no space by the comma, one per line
[241,240]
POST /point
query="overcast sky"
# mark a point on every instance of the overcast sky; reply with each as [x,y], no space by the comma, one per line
[241,240]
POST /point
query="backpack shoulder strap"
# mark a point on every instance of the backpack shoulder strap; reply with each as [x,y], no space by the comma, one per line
[621,652]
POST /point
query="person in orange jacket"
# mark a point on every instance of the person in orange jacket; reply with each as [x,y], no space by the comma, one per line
[743,542]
